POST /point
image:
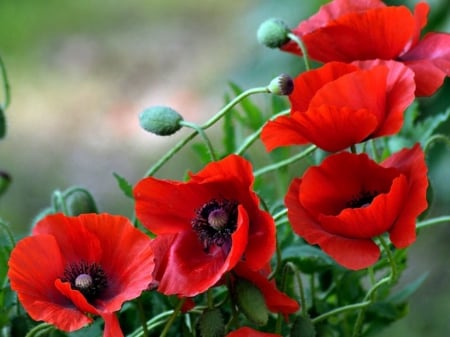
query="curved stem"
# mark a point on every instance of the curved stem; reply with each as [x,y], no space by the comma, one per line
[302,47]
[340,310]
[6,87]
[254,136]
[205,126]
[172,318]
[141,314]
[435,138]
[433,221]
[279,215]
[392,277]
[301,288]
[285,162]
[40,330]
[204,137]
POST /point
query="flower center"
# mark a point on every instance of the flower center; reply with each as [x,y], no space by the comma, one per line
[88,278]
[364,199]
[214,223]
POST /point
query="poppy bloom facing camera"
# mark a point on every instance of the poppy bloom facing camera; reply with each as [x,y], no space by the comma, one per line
[348,200]
[74,267]
[205,226]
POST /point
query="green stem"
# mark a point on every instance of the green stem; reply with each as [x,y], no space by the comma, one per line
[205,126]
[204,137]
[280,214]
[435,138]
[433,221]
[58,202]
[285,162]
[151,324]
[172,318]
[141,314]
[254,136]
[353,149]
[375,153]
[340,310]
[302,47]
[301,288]
[392,277]
[6,86]
[40,330]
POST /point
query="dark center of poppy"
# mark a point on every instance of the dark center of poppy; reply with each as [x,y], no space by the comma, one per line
[88,278]
[364,199]
[214,223]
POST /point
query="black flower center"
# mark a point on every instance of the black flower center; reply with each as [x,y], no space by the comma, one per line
[214,223]
[89,278]
[362,200]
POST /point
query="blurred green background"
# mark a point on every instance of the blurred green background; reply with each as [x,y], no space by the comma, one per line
[81,71]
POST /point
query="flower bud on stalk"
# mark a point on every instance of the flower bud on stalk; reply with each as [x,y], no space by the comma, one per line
[281,85]
[160,120]
[273,33]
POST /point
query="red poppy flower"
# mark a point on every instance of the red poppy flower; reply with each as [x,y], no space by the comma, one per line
[349,199]
[349,30]
[74,267]
[340,104]
[205,226]
[249,332]
[276,301]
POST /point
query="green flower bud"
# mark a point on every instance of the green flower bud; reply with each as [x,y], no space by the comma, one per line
[273,33]
[160,120]
[79,201]
[251,302]
[281,85]
[211,323]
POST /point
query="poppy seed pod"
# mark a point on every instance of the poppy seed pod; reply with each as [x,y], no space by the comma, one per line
[273,33]
[160,120]
[282,85]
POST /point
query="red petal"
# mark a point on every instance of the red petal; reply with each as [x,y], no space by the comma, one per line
[334,129]
[283,131]
[373,220]
[232,167]
[75,297]
[112,326]
[378,33]
[308,83]
[276,300]
[166,207]
[75,241]
[129,270]
[430,61]
[33,280]
[328,13]
[411,162]
[350,253]
[190,271]
[248,332]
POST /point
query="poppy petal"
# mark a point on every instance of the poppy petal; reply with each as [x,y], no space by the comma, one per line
[249,332]
[430,61]
[112,326]
[282,131]
[191,270]
[377,33]
[411,162]
[334,129]
[33,279]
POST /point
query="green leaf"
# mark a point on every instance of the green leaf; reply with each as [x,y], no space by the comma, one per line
[124,185]
[408,290]
[229,135]
[2,123]
[253,115]
[202,151]
[310,259]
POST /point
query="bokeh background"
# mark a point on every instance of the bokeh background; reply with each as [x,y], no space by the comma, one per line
[81,71]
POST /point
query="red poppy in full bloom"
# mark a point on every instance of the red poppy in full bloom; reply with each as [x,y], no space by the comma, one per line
[74,267]
[249,332]
[348,200]
[340,104]
[205,226]
[350,30]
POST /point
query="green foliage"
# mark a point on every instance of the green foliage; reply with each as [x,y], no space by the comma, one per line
[124,185]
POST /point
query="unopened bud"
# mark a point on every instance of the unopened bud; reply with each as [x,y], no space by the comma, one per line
[79,201]
[160,120]
[251,302]
[273,33]
[211,323]
[281,85]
